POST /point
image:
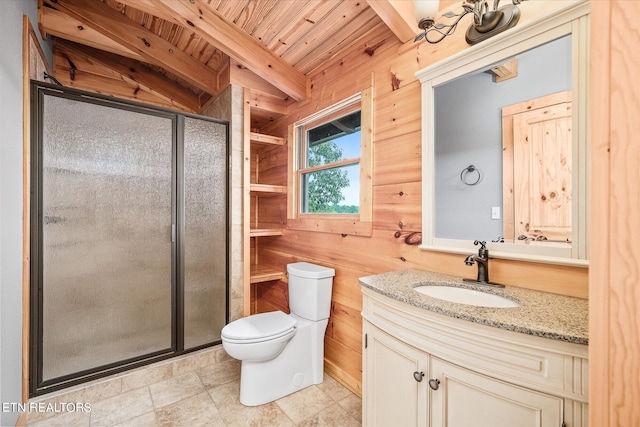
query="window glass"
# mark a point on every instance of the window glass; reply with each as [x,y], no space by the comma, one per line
[334,141]
[330,186]
[334,190]
[330,178]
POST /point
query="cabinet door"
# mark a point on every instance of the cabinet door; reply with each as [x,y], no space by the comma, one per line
[392,396]
[465,398]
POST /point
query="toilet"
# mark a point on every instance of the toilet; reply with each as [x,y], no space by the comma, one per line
[283,353]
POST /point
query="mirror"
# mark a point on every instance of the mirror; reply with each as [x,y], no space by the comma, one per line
[483,182]
[505,143]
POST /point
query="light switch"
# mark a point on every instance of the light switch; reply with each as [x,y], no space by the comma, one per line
[495,212]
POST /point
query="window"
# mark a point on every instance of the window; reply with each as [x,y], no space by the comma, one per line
[330,188]
[330,172]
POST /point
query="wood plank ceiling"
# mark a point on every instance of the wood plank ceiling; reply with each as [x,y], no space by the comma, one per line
[183,53]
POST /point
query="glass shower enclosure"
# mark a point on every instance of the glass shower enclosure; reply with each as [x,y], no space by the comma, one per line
[129,243]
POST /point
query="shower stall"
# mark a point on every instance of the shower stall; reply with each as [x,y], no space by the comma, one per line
[129,235]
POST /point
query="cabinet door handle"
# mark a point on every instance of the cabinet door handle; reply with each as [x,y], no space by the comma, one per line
[434,384]
[418,376]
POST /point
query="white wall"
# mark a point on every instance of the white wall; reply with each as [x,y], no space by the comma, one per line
[11,201]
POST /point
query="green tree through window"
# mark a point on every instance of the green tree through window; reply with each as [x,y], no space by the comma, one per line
[330,173]
[324,187]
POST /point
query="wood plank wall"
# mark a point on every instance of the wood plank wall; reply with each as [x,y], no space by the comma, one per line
[397,194]
[614,306]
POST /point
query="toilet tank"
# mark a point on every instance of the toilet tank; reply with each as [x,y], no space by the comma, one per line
[310,290]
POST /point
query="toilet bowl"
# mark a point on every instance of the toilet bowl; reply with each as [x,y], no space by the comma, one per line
[283,353]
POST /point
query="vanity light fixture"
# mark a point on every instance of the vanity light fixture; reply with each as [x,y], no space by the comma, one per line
[487,21]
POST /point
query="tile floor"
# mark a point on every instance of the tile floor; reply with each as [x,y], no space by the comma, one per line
[201,389]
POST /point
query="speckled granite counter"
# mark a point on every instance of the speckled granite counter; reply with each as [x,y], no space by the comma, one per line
[541,314]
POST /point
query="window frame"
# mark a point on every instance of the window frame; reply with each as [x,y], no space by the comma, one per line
[303,144]
[347,224]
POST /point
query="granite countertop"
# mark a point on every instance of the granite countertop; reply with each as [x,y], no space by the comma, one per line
[541,314]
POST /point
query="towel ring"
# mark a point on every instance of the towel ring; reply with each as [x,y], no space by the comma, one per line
[464,175]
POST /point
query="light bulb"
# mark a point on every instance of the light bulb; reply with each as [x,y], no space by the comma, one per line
[426,9]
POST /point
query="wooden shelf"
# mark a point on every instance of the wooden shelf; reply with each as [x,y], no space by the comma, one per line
[261,274]
[262,232]
[267,188]
[265,203]
[261,139]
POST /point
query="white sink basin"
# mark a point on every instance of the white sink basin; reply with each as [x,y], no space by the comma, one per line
[466,296]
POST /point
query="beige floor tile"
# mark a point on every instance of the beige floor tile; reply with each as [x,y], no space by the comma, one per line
[194,411]
[222,356]
[333,388]
[147,376]
[123,407]
[175,389]
[304,403]
[206,394]
[98,391]
[227,397]
[68,419]
[268,415]
[192,362]
[219,373]
[145,420]
[33,416]
[333,415]
[353,405]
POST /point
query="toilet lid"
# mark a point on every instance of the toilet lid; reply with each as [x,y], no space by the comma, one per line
[259,326]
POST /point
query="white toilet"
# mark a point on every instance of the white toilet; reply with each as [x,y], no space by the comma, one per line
[283,353]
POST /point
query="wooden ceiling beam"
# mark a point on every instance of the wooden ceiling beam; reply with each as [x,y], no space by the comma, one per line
[151,7]
[205,21]
[137,74]
[72,71]
[267,103]
[242,76]
[108,86]
[59,24]
[399,17]
[152,48]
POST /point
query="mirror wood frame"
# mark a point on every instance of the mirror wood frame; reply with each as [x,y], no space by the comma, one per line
[571,18]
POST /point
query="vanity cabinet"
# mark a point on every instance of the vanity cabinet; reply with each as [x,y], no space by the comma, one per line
[391,395]
[466,398]
[425,369]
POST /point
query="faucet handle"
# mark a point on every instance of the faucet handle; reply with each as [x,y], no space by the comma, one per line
[482,243]
[483,251]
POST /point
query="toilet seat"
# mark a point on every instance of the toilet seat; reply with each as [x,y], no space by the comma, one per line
[259,327]
[259,340]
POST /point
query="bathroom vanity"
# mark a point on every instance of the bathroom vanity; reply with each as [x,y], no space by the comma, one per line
[430,361]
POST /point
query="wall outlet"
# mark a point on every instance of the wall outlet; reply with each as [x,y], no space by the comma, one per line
[495,212]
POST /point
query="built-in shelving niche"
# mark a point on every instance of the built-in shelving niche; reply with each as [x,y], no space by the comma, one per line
[262,223]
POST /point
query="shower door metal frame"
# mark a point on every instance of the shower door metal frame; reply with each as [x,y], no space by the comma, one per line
[36,385]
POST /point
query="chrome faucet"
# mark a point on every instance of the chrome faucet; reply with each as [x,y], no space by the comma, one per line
[482,259]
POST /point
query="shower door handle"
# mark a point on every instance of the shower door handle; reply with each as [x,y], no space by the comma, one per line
[173,233]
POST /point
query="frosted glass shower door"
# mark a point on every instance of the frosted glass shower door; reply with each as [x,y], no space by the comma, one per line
[205,231]
[107,212]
